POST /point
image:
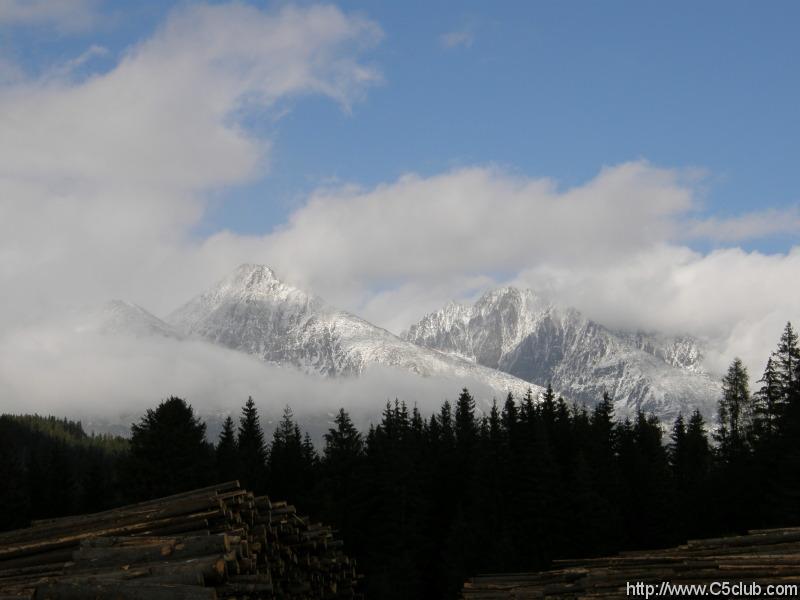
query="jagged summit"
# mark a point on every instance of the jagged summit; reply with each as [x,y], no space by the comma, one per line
[522,333]
[254,282]
[248,285]
[253,275]
[254,312]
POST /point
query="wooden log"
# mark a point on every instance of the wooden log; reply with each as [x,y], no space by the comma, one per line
[19,595]
[774,537]
[211,490]
[118,518]
[98,554]
[238,546]
[123,591]
[52,557]
[73,538]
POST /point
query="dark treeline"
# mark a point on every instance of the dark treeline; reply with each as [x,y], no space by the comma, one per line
[49,467]
[423,502]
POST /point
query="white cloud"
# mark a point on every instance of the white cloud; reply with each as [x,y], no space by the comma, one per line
[613,247]
[102,179]
[454,39]
[749,226]
[110,381]
[64,15]
[738,301]
[478,220]
[163,116]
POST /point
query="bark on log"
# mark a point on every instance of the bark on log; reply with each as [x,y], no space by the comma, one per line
[123,591]
[221,537]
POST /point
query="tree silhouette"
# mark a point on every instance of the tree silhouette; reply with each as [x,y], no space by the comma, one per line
[252,450]
[168,451]
[227,451]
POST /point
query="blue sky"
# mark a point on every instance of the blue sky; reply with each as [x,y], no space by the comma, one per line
[544,89]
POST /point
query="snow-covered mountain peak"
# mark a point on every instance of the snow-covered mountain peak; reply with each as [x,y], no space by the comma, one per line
[253,275]
[526,335]
[484,331]
[255,282]
[254,312]
[249,284]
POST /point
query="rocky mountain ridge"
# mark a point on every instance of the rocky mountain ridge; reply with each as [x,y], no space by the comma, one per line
[522,333]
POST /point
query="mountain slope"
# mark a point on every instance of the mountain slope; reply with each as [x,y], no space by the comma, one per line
[254,312]
[118,317]
[521,333]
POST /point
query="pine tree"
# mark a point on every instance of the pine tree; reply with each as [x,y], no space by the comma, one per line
[509,416]
[602,423]
[343,443]
[649,503]
[695,507]
[548,406]
[677,450]
[767,401]
[527,413]
[735,413]
[563,438]
[291,463]
[417,426]
[446,431]
[601,441]
[734,490]
[310,456]
[396,506]
[168,451]
[466,429]
[227,451]
[787,358]
[344,491]
[779,461]
[252,449]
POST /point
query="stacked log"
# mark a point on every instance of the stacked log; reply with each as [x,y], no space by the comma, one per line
[768,556]
[219,542]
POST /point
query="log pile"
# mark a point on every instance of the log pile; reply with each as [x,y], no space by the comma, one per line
[768,556]
[220,542]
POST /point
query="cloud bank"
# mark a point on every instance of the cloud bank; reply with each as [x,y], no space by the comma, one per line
[109,381]
[613,247]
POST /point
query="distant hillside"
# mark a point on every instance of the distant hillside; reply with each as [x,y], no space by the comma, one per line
[52,468]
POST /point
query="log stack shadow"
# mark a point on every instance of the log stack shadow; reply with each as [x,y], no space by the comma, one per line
[767,556]
[220,542]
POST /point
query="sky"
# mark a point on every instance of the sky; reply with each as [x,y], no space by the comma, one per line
[637,160]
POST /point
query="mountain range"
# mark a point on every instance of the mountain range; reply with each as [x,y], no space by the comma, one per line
[523,334]
[509,339]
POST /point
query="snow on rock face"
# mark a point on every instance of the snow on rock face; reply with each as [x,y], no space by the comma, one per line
[254,312]
[520,333]
[509,340]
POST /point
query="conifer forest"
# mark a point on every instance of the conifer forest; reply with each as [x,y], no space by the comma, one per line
[425,501]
